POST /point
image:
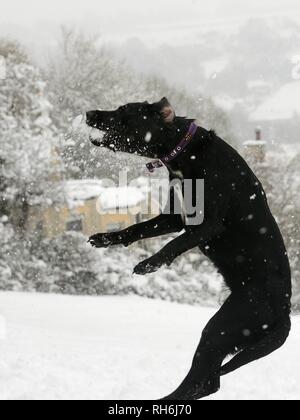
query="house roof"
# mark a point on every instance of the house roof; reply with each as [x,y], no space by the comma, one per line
[82,190]
[254,143]
[114,198]
[283,105]
[79,191]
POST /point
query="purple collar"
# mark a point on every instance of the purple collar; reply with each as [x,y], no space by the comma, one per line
[175,152]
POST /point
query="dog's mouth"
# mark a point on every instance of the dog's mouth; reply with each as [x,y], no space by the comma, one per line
[101,138]
[97,137]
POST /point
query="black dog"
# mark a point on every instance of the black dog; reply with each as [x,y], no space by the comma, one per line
[238,234]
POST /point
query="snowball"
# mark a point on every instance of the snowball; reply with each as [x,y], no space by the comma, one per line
[97,135]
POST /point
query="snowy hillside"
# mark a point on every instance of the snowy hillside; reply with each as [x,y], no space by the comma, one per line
[282,105]
[119,348]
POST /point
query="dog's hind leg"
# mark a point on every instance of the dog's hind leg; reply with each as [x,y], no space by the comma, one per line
[276,334]
[202,379]
[237,326]
[270,343]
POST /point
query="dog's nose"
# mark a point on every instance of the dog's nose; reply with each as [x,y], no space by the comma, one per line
[90,117]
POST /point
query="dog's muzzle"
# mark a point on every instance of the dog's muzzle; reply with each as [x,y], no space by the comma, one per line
[96,136]
[91,118]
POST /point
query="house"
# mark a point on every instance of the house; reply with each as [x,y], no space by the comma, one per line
[279,115]
[254,151]
[90,207]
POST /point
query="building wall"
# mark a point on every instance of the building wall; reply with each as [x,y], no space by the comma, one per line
[53,221]
[254,153]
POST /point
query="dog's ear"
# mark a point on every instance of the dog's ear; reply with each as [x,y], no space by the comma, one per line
[166,110]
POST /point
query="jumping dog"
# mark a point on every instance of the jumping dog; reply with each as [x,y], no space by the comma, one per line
[238,234]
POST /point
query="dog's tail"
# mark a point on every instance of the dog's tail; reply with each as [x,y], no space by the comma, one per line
[273,341]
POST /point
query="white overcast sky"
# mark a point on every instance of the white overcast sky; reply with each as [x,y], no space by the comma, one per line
[21,11]
[125,18]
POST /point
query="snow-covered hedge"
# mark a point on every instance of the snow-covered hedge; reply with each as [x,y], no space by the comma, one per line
[280,174]
[68,265]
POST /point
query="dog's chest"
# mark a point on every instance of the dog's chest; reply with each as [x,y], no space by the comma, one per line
[184,172]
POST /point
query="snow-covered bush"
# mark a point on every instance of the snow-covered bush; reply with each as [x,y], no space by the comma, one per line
[19,267]
[68,265]
[280,175]
[6,274]
[26,136]
[189,280]
[285,201]
[62,265]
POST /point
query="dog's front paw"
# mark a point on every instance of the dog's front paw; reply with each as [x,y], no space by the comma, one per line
[101,240]
[151,265]
[145,267]
[105,240]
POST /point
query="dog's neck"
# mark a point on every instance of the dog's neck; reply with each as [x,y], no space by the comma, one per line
[175,132]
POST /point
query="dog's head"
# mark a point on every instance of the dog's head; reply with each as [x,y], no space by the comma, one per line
[138,128]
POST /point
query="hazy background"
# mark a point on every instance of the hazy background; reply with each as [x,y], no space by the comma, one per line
[231,65]
[136,14]
[240,54]
[37,22]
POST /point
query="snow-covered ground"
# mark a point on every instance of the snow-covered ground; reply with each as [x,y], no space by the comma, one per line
[59,347]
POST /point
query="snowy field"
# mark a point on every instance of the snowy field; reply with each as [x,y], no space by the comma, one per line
[59,347]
